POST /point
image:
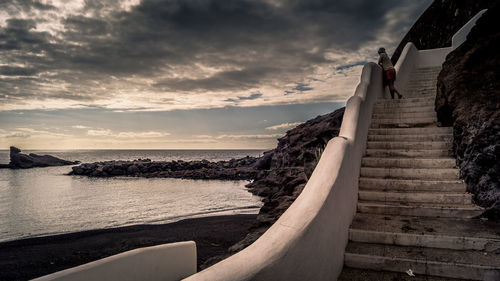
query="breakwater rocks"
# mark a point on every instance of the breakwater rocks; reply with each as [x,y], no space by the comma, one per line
[235,169]
[468,98]
[20,160]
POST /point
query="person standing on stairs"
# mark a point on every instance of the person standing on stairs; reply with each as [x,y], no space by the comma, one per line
[389,72]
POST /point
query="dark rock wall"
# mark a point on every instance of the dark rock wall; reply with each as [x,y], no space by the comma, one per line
[468,99]
[286,169]
[440,22]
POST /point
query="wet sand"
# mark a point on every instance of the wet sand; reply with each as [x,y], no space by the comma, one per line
[30,258]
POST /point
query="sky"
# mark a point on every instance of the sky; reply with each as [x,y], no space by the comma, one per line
[183,74]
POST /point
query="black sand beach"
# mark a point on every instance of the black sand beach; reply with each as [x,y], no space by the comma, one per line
[30,258]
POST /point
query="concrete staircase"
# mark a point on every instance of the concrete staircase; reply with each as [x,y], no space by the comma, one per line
[413,210]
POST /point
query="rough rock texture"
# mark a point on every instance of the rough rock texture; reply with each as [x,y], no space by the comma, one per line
[235,169]
[468,99]
[19,160]
[440,22]
[284,171]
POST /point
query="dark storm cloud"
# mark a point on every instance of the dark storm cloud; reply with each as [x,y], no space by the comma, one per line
[19,37]
[226,80]
[252,96]
[24,5]
[256,42]
[17,71]
[302,87]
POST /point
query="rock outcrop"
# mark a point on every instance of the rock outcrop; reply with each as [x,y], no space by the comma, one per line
[468,99]
[235,169]
[284,171]
[440,22]
[20,160]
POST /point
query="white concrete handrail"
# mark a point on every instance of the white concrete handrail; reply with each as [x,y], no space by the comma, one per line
[461,34]
[167,262]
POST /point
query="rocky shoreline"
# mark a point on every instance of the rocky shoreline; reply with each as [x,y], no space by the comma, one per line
[234,169]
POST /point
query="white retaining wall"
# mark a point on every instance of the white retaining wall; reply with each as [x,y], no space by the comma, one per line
[461,35]
[166,262]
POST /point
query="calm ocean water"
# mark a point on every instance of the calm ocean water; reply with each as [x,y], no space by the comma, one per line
[45,201]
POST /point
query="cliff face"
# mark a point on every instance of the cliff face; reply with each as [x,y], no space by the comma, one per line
[468,99]
[439,22]
[284,171]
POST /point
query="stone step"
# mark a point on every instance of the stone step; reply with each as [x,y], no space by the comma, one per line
[406,100]
[407,153]
[356,274]
[410,131]
[419,145]
[404,110]
[420,85]
[403,121]
[434,69]
[423,76]
[408,162]
[390,104]
[419,91]
[422,80]
[401,115]
[415,197]
[426,78]
[425,91]
[429,261]
[366,183]
[403,138]
[410,173]
[445,233]
[404,125]
[420,209]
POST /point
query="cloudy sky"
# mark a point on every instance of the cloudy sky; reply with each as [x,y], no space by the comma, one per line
[205,74]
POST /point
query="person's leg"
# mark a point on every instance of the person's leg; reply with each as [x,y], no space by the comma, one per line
[393,89]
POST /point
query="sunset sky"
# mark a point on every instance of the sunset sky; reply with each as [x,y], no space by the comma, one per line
[182,74]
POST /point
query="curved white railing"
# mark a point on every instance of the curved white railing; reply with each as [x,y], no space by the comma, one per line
[308,241]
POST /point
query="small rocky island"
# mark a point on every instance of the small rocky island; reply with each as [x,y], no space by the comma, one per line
[20,160]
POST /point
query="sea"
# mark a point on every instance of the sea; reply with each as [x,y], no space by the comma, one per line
[46,201]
